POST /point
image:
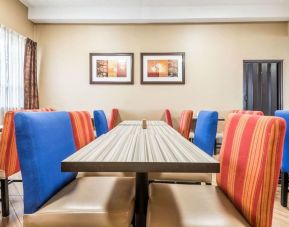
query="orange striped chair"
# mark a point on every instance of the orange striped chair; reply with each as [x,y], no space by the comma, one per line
[113,120]
[185,123]
[9,163]
[253,112]
[82,128]
[250,161]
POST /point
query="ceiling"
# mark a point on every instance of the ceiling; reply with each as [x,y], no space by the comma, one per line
[156,11]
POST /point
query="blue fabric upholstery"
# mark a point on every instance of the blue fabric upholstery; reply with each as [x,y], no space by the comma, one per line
[285,160]
[43,141]
[100,122]
[206,129]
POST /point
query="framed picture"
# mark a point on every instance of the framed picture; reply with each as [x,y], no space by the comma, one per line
[111,68]
[163,68]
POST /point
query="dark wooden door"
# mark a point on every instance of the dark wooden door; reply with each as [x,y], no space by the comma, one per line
[262,86]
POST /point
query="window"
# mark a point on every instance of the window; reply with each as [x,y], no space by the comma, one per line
[12,47]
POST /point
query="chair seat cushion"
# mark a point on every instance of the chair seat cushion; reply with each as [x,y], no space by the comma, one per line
[174,205]
[179,177]
[2,174]
[88,201]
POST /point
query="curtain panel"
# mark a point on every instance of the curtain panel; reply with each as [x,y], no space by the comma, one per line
[31,100]
[12,47]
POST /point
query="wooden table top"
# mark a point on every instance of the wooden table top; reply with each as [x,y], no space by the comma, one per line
[129,148]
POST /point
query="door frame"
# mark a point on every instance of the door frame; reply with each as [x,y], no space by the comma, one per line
[279,79]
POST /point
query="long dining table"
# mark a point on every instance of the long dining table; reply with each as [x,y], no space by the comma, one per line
[131,148]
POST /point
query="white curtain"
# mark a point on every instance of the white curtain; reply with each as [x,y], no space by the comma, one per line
[12,47]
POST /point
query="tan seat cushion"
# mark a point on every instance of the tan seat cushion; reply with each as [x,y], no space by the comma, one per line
[176,205]
[179,177]
[106,174]
[2,174]
[88,201]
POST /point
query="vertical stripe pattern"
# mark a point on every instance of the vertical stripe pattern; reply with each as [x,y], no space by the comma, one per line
[250,160]
[185,123]
[252,112]
[8,150]
[82,128]
[130,143]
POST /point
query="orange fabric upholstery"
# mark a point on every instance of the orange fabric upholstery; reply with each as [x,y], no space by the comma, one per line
[8,151]
[82,128]
[250,160]
[113,119]
[185,123]
[253,112]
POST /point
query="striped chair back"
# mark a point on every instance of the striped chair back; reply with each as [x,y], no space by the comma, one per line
[113,119]
[250,160]
[82,127]
[168,117]
[8,152]
[252,112]
[185,123]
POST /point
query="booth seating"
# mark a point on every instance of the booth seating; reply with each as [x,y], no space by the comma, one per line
[9,164]
[250,161]
[55,198]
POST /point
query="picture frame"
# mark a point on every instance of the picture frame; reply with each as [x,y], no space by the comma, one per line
[111,68]
[163,68]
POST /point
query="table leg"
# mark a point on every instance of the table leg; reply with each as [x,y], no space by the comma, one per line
[5,197]
[141,199]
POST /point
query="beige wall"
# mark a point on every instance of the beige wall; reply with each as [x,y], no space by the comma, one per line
[13,14]
[214,73]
